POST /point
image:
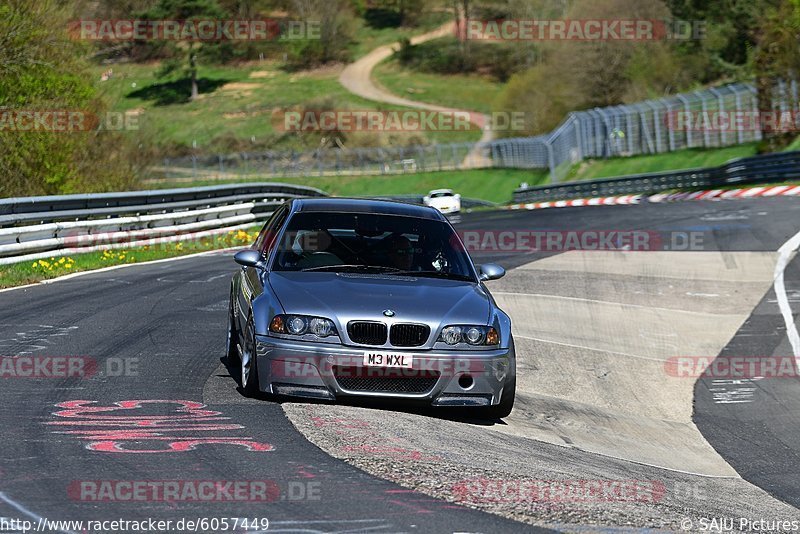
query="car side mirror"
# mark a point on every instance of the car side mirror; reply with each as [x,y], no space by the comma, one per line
[491,271]
[250,258]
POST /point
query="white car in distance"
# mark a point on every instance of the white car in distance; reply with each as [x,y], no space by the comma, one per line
[443,200]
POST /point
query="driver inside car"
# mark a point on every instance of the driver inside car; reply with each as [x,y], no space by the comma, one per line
[311,248]
[401,252]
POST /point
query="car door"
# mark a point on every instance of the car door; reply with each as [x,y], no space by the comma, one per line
[251,279]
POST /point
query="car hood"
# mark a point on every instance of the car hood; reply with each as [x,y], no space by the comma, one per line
[344,297]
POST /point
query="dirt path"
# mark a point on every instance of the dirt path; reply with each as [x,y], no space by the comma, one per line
[357,78]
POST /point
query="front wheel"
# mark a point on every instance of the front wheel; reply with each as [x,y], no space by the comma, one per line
[232,344]
[249,366]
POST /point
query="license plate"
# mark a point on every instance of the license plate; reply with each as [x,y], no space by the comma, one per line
[388,359]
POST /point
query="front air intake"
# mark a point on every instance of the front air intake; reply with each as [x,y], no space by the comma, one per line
[367,333]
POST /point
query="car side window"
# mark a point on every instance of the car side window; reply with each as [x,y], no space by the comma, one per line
[266,239]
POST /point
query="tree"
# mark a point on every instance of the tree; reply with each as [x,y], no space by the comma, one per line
[575,75]
[335,19]
[187,50]
[41,70]
[777,57]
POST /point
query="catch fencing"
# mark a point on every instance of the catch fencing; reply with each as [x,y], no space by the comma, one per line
[649,127]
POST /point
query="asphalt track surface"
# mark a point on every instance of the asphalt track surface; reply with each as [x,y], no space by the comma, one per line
[169,319]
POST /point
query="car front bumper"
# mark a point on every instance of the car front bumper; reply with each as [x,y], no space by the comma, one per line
[330,371]
[448,209]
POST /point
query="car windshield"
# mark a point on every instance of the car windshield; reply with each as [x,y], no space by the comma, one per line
[439,195]
[365,242]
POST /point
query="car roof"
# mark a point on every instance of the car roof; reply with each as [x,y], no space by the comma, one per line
[441,191]
[361,205]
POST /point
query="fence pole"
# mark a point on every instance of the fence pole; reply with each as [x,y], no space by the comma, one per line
[551,162]
[704,108]
[723,135]
[738,98]
[686,108]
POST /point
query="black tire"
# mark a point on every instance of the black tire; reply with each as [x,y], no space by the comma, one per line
[231,349]
[249,362]
[502,410]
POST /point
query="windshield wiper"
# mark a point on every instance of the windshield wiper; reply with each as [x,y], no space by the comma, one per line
[435,274]
[359,267]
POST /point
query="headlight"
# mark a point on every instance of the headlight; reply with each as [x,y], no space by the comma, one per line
[321,327]
[297,326]
[451,335]
[471,335]
[300,325]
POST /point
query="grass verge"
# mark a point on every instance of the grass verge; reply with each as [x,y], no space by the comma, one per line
[494,185]
[238,107]
[369,38]
[471,92]
[29,272]
[681,159]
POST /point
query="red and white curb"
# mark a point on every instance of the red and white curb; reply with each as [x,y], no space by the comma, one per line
[727,194]
[713,194]
[597,201]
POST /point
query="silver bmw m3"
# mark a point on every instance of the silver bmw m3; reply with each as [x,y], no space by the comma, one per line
[361,298]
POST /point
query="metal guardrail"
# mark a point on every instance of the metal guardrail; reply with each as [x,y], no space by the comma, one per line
[750,170]
[466,203]
[33,228]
